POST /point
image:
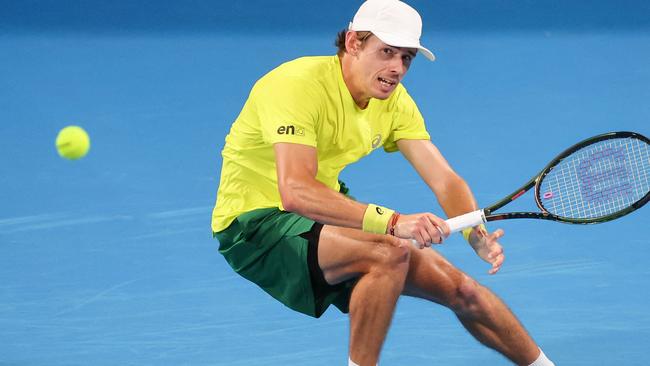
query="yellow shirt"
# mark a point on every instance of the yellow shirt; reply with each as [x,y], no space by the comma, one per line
[305,101]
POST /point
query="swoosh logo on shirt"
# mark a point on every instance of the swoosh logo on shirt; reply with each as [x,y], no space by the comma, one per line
[376,141]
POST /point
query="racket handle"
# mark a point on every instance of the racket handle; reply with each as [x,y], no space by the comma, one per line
[461,222]
[470,219]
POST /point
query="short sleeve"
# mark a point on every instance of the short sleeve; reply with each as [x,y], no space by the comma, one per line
[288,110]
[408,122]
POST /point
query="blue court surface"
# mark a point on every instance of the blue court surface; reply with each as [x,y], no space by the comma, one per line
[109,260]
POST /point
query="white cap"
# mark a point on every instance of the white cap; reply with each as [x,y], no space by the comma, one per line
[393,22]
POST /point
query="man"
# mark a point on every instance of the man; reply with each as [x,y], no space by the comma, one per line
[283,223]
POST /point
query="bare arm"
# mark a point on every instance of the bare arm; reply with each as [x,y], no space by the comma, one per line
[301,193]
[450,189]
[453,194]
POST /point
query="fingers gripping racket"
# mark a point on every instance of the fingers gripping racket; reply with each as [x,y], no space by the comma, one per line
[597,180]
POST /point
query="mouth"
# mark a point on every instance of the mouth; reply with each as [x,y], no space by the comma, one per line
[386,82]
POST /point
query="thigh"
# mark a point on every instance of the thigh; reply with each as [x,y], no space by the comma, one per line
[266,247]
[345,253]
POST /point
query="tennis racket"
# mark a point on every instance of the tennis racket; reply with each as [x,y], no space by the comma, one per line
[597,180]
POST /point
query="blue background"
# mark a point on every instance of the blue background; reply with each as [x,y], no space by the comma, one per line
[109,260]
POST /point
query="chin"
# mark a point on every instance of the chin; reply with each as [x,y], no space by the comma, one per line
[383,95]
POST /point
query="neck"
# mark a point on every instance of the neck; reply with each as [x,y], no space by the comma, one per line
[360,99]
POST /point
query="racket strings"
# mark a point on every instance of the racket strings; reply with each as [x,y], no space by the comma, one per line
[598,180]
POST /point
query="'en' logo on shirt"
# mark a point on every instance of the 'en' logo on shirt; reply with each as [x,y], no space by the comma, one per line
[291,130]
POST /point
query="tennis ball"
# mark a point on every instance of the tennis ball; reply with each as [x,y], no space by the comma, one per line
[72,142]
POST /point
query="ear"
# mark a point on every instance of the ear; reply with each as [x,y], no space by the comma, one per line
[352,43]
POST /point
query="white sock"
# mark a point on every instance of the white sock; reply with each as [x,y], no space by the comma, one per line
[351,363]
[542,360]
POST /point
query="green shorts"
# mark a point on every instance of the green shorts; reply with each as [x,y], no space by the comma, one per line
[277,251]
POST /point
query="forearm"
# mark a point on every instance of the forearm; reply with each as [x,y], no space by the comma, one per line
[302,193]
[313,199]
[455,196]
[452,192]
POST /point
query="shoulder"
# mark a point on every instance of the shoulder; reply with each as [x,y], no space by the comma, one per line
[303,78]
[401,97]
[306,69]
[399,102]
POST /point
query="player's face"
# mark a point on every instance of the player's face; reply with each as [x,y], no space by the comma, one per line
[380,68]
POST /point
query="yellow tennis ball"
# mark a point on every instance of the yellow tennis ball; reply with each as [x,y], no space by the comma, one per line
[72,142]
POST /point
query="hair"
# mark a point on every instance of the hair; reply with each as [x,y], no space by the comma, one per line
[340,40]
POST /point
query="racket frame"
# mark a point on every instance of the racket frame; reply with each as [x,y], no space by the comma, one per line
[536,182]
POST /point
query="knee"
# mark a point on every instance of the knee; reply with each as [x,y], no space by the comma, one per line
[468,297]
[392,259]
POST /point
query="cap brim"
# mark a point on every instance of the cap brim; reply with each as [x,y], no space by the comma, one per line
[396,41]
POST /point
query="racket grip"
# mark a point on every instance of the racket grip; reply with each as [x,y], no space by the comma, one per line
[470,219]
[461,222]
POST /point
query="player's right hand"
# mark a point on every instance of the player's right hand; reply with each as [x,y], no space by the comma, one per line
[425,228]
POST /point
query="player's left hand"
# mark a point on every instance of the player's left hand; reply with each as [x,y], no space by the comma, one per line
[487,247]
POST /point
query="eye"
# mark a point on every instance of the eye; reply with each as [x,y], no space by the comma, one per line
[406,59]
[387,51]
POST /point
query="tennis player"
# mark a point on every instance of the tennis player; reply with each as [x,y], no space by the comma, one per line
[284,221]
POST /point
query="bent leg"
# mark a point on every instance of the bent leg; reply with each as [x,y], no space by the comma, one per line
[480,311]
[380,262]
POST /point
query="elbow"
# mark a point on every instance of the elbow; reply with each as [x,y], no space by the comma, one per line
[289,203]
[290,197]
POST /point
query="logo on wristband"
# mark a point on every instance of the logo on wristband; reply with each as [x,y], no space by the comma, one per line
[379,210]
